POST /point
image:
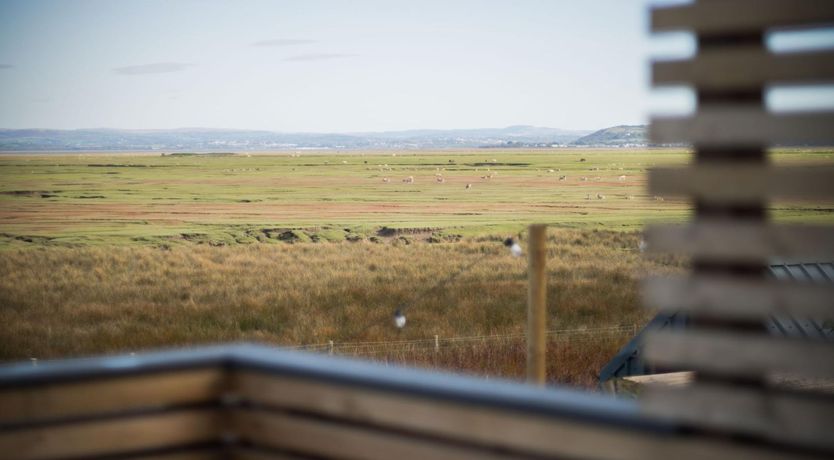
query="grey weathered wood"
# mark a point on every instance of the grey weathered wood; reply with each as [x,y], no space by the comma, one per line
[745,68]
[736,354]
[327,438]
[734,126]
[113,436]
[735,183]
[719,17]
[743,241]
[781,416]
[251,453]
[734,298]
[488,427]
[196,453]
[512,432]
[110,395]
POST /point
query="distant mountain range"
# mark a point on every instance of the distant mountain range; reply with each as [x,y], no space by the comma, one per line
[202,139]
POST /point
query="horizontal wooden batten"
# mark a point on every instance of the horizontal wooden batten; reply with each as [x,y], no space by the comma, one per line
[735,298]
[331,439]
[744,183]
[734,16]
[736,354]
[733,126]
[252,453]
[745,69]
[781,416]
[112,437]
[97,397]
[740,241]
[483,426]
[336,439]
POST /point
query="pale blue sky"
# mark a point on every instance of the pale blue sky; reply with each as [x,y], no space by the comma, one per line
[325,65]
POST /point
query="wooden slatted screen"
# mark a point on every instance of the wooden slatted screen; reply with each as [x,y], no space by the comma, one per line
[731,182]
[254,402]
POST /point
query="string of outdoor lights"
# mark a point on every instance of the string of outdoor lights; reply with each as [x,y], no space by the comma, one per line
[399,315]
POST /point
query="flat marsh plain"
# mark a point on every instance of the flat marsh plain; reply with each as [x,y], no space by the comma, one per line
[122,252]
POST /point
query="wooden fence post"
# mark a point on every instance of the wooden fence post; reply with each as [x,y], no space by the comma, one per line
[536,304]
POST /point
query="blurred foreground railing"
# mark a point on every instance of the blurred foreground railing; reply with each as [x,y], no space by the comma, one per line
[246,401]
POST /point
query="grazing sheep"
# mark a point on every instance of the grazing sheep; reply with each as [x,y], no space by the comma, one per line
[440,179]
[344,162]
[550,171]
[621,178]
[385,180]
[563,177]
[600,196]
[409,180]
[588,196]
[583,179]
[658,198]
[468,186]
[629,197]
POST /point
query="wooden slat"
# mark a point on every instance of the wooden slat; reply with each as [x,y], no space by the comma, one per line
[750,183]
[115,436]
[745,68]
[734,126]
[330,439]
[111,395]
[193,453]
[740,354]
[739,298]
[446,419]
[781,416]
[338,440]
[506,431]
[250,453]
[743,241]
[719,17]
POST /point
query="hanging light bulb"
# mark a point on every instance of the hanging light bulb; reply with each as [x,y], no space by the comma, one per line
[399,319]
[515,248]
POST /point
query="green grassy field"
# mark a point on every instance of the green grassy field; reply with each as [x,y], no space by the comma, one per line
[118,252]
[120,198]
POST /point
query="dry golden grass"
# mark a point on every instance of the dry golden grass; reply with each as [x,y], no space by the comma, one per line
[60,302]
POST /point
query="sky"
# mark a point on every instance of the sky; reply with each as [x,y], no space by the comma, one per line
[326,66]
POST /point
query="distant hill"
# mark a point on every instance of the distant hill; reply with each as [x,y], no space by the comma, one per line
[619,136]
[201,139]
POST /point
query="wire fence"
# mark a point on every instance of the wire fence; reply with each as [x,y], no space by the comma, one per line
[438,343]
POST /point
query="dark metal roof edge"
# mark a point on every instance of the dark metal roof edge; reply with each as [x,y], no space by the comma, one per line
[550,402]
